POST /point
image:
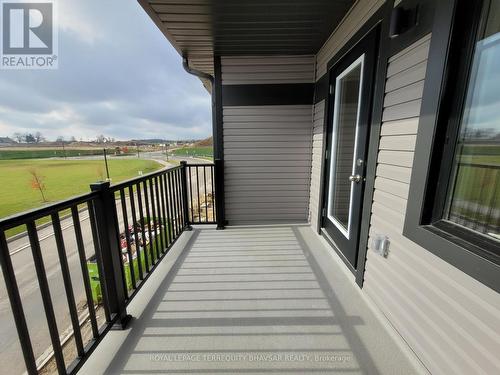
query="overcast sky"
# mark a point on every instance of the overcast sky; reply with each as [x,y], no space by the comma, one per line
[118,76]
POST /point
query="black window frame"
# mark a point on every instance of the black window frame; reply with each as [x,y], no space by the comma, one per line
[457,23]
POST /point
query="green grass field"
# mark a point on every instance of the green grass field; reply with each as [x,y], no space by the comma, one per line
[62,178]
[51,153]
[202,152]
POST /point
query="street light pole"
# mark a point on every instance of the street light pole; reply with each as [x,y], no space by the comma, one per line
[106,163]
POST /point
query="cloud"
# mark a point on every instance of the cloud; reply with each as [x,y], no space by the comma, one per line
[117,76]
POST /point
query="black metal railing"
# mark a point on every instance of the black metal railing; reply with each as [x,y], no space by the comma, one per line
[201,193]
[132,225]
[476,197]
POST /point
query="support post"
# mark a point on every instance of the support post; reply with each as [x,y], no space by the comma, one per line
[185,200]
[219,193]
[109,253]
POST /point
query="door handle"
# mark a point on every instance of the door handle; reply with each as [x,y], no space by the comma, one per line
[355,178]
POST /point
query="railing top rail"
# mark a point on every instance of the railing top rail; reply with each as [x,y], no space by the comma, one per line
[135,180]
[37,213]
[201,165]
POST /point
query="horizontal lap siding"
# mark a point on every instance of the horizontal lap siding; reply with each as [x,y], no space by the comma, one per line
[269,70]
[267,152]
[352,22]
[451,321]
[317,158]
[267,148]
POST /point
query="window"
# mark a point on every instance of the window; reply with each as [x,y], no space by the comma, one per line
[455,188]
[473,196]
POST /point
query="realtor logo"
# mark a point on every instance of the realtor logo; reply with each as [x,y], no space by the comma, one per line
[29,35]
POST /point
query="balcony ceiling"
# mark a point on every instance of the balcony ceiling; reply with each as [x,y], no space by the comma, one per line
[202,28]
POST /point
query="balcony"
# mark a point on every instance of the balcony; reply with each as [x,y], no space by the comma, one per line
[267,299]
[162,293]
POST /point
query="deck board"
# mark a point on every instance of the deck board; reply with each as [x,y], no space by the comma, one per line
[250,300]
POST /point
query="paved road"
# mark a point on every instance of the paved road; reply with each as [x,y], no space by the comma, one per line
[10,354]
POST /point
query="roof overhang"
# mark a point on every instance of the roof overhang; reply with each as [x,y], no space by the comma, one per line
[200,29]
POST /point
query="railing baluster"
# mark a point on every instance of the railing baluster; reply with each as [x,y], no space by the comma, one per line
[172,202]
[160,216]
[136,235]
[46,298]
[95,240]
[169,207]
[153,218]
[476,217]
[491,220]
[127,239]
[205,189]
[198,194]
[16,306]
[184,192]
[143,228]
[164,211]
[68,286]
[85,272]
[179,200]
[148,215]
[190,174]
[116,226]
[213,195]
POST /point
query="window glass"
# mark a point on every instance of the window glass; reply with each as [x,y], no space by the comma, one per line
[474,195]
[347,98]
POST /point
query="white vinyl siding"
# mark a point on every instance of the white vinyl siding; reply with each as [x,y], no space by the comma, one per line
[451,321]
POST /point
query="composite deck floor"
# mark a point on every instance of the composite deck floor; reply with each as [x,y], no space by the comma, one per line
[250,300]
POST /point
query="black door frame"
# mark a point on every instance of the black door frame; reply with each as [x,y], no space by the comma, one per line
[368,48]
[387,47]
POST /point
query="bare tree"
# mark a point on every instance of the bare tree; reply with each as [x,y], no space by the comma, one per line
[100,173]
[39,137]
[37,182]
[19,137]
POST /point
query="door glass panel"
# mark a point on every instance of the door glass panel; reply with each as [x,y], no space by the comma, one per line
[343,153]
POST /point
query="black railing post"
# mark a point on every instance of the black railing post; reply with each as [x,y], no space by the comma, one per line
[185,200]
[219,193]
[110,253]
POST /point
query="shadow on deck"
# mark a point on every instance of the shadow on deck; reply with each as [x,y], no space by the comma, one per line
[250,300]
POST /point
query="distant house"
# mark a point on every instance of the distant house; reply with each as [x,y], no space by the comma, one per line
[6,141]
